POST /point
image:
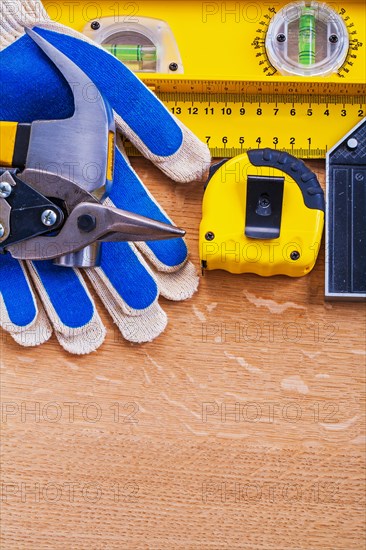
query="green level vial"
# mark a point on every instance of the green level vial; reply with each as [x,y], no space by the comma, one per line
[307,37]
[137,57]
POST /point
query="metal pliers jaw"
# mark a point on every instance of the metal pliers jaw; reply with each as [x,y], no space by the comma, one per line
[44,217]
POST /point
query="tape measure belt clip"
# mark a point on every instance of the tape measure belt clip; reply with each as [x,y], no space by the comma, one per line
[264,207]
[306,180]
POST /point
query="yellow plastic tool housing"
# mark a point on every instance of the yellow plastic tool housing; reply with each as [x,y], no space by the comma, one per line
[8,132]
[230,95]
[218,40]
[222,239]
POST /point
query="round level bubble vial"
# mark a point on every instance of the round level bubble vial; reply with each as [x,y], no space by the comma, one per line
[307,39]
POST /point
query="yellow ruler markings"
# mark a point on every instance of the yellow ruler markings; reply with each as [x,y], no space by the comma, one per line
[302,118]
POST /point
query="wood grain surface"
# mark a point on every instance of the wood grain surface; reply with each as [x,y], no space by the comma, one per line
[242,426]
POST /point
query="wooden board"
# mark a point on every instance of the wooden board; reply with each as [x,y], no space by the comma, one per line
[242,426]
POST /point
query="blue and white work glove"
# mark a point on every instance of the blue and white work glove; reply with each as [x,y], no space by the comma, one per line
[38,297]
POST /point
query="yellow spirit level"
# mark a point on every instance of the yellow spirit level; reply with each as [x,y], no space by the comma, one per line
[242,75]
[263,213]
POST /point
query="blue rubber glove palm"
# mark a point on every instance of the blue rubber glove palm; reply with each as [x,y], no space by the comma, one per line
[130,278]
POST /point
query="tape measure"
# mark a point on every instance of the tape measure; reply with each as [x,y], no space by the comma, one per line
[241,75]
[263,213]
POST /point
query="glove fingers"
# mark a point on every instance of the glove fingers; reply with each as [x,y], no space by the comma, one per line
[129,291]
[21,314]
[136,326]
[36,334]
[145,327]
[69,307]
[180,285]
[142,117]
[128,277]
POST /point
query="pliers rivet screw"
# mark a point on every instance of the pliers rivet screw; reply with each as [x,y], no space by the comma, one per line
[49,217]
[209,236]
[95,25]
[87,223]
[5,190]
[2,230]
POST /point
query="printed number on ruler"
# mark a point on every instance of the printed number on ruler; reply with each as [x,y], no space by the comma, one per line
[300,128]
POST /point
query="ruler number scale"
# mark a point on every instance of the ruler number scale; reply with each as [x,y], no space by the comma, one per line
[296,124]
[304,120]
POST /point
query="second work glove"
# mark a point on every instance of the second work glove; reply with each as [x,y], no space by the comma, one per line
[131,277]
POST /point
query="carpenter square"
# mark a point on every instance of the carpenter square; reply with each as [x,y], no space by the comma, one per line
[345,251]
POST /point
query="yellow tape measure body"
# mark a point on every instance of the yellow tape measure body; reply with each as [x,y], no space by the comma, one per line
[263,213]
[230,93]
